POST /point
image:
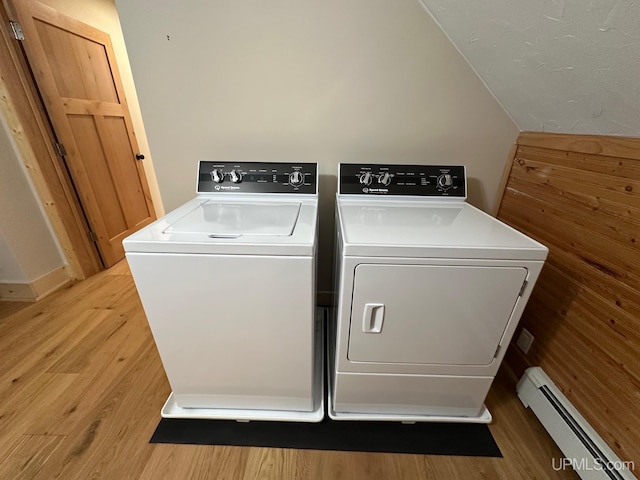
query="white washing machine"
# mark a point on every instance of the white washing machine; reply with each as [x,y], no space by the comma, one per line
[429,292]
[227,282]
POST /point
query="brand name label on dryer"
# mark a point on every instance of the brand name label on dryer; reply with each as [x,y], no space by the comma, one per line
[411,180]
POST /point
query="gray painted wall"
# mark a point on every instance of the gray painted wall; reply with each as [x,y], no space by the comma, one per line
[326,82]
[28,248]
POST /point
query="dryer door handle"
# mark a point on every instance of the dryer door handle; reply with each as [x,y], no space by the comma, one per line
[373,317]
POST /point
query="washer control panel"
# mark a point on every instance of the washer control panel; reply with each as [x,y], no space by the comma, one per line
[413,180]
[257,177]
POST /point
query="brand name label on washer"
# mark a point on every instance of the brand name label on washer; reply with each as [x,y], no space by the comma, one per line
[375,190]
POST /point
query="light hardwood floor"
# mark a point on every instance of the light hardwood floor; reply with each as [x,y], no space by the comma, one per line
[81,387]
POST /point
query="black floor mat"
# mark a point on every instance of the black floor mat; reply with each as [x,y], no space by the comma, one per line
[422,438]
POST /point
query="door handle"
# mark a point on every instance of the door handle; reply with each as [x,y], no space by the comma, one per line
[373,317]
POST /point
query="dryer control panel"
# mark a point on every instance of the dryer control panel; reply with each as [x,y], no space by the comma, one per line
[257,177]
[439,181]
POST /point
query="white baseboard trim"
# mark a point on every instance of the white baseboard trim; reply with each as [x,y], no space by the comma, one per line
[17,292]
[585,451]
[36,290]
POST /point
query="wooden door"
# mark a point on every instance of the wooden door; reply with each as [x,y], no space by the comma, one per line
[75,69]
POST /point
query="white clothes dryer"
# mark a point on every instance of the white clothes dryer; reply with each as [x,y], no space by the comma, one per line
[227,282]
[429,293]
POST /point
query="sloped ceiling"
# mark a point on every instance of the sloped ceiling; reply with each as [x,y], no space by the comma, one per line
[569,66]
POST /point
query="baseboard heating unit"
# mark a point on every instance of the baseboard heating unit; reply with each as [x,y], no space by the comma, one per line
[585,451]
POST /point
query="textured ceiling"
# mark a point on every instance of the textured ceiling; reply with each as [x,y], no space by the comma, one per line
[568,66]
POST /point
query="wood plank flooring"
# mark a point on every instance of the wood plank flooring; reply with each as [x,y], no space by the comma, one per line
[81,387]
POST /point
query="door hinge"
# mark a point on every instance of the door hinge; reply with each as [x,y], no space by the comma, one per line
[92,236]
[60,150]
[495,355]
[524,285]
[16,30]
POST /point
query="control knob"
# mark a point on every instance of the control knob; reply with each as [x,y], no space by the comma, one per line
[445,181]
[217,176]
[236,177]
[365,178]
[385,179]
[296,178]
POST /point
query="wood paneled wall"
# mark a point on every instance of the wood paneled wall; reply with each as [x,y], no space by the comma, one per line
[580,196]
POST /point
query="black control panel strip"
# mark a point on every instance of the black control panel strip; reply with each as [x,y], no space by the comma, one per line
[391,179]
[257,177]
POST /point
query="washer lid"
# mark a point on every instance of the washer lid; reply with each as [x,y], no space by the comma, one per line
[430,229]
[251,225]
[230,220]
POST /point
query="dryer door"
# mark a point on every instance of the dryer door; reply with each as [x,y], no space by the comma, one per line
[431,314]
